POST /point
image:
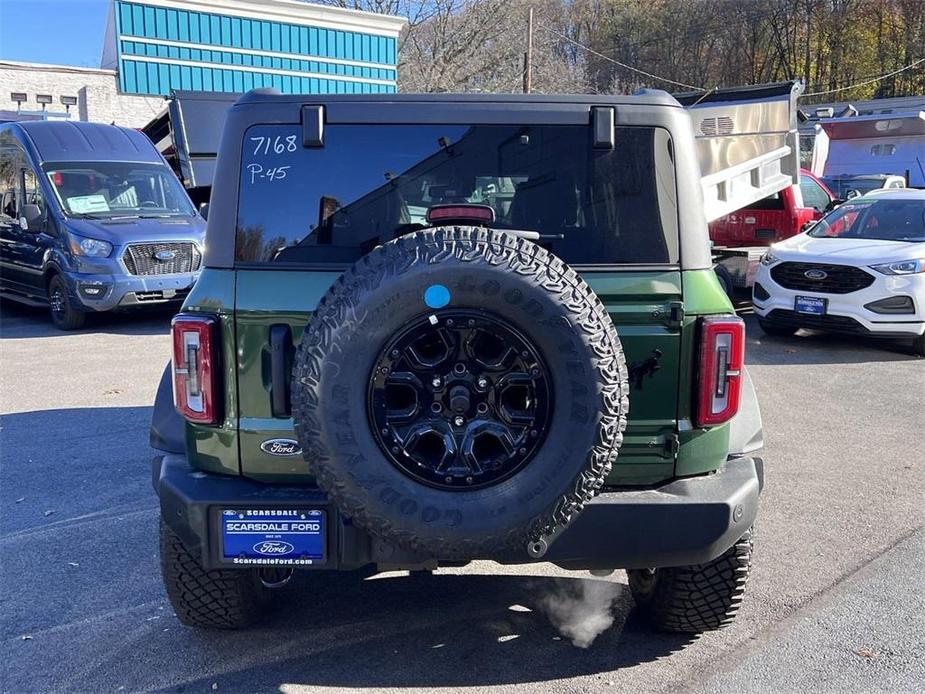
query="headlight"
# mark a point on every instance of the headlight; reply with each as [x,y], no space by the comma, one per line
[89,247]
[901,267]
[768,258]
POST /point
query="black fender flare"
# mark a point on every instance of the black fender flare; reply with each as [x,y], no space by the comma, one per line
[746,433]
[168,428]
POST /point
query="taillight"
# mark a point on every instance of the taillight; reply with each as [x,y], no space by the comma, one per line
[722,357]
[195,367]
[460,213]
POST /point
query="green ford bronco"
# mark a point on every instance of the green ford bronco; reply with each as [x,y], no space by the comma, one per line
[437,329]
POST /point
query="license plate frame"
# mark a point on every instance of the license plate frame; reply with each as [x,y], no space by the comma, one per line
[272,536]
[810,305]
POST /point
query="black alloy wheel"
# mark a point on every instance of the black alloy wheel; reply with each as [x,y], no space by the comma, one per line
[459,400]
[63,313]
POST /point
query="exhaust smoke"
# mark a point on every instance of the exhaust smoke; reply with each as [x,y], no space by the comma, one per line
[581,609]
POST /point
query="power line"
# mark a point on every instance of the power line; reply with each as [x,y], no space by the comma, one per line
[869,81]
[623,65]
[704,89]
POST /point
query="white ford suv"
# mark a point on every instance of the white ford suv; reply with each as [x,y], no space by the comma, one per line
[860,269]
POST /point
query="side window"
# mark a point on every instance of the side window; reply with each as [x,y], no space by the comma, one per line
[18,183]
[8,186]
[813,194]
[31,192]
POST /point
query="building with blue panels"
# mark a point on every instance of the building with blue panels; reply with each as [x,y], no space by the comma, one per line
[237,45]
[153,47]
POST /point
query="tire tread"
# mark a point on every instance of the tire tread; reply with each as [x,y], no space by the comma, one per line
[218,599]
[512,254]
[698,598]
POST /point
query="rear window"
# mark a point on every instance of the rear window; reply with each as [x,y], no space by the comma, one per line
[369,184]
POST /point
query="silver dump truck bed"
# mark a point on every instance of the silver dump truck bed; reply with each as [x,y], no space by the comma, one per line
[747,143]
[882,143]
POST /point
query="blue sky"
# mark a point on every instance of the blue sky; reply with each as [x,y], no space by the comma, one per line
[67,32]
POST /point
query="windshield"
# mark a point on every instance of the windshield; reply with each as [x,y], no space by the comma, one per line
[369,184]
[117,189]
[875,218]
[841,186]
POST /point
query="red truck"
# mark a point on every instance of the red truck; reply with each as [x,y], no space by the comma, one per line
[741,237]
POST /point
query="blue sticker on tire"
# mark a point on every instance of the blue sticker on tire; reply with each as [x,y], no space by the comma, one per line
[436,296]
[283,537]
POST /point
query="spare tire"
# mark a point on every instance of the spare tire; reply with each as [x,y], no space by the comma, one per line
[460,392]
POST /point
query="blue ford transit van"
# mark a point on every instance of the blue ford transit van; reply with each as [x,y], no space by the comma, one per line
[92,219]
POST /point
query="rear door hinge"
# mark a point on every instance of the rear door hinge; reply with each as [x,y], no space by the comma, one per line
[672,445]
[675,314]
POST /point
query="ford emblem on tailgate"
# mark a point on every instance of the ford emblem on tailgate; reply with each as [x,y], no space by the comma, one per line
[815,274]
[281,447]
[273,548]
[165,255]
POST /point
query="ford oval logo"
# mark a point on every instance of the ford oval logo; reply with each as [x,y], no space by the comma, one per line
[281,447]
[273,548]
[815,274]
[165,255]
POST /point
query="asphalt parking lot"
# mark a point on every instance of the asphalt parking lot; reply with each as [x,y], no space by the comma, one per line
[834,603]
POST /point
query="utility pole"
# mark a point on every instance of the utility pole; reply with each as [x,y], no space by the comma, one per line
[528,56]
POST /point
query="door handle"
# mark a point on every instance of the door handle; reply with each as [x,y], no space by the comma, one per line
[280,367]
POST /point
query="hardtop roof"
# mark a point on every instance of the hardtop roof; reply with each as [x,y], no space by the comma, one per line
[645,97]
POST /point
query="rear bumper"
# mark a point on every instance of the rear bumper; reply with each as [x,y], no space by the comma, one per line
[687,521]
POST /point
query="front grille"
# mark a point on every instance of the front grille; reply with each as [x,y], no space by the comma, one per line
[839,279]
[840,324]
[140,258]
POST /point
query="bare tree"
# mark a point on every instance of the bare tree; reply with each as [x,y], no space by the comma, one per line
[590,45]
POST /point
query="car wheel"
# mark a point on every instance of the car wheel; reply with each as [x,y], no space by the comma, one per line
[698,598]
[460,392]
[777,330]
[64,314]
[725,280]
[918,345]
[218,599]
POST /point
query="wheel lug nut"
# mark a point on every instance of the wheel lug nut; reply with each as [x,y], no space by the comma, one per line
[535,372]
[396,449]
[533,433]
[448,480]
[458,421]
[482,408]
[483,382]
[385,432]
[450,322]
[471,322]
[435,407]
[436,383]
[395,353]
[522,451]
[525,354]
[460,368]
[468,480]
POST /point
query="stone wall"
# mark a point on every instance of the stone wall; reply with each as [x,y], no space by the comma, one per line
[98,97]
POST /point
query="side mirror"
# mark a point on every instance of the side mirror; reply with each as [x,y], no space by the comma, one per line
[852,194]
[807,225]
[30,215]
[204,210]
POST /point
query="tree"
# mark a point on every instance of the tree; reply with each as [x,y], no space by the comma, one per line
[591,45]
